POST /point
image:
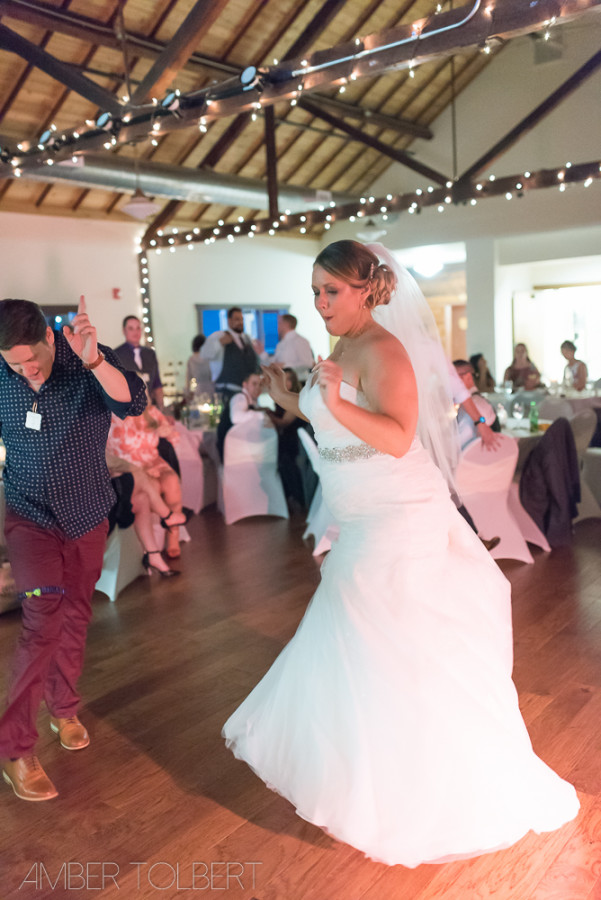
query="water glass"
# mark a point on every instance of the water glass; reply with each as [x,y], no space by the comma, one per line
[518,410]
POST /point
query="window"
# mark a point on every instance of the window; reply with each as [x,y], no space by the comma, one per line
[58,315]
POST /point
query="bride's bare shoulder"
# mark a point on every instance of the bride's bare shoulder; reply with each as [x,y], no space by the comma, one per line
[386,345]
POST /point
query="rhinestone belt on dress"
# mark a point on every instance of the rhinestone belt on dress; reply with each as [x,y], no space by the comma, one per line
[350,453]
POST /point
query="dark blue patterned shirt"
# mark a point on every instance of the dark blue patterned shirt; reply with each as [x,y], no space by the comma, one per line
[57,476]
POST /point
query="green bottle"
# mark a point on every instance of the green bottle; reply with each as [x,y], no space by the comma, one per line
[533,417]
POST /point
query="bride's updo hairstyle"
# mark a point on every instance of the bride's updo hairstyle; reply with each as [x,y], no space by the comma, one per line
[352,262]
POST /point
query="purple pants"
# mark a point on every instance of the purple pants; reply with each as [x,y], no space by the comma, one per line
[50,651]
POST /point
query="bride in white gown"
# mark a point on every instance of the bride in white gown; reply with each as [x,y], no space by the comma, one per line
[390,719]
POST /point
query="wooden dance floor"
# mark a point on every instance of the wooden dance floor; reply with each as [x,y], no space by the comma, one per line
[157,808]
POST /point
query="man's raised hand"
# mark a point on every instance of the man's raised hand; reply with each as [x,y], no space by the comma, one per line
[81,335]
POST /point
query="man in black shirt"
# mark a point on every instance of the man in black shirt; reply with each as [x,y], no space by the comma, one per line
[57,393]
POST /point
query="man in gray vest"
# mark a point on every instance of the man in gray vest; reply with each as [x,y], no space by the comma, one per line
[231,355]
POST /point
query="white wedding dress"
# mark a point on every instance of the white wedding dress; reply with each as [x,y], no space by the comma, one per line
[390,719]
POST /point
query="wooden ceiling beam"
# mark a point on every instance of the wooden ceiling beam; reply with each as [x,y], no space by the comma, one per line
[272,160]
[533,118]
[373,117]
[318,23]
[400,156]
[179,49]
[71,78]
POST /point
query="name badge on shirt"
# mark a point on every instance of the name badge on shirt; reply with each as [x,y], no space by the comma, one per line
[33,420]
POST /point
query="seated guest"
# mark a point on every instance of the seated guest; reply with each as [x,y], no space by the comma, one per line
[198,371]
[522,372]
[242,408]
[134,441]
[482,377]
[287,425]
[575,372]
[465,424]
[293,350]
[135,357]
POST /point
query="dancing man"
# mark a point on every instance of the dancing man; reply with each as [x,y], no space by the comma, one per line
[57,392]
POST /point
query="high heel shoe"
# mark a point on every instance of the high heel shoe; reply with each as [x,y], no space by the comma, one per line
[150,568]
[180,519]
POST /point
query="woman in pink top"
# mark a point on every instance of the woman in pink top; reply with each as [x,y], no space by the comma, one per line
[132,446]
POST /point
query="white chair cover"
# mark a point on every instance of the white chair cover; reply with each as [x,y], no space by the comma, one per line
[583,426]
[320,522]
[527,525]
[555,408]
[122,562]
[591,472]
[191,470]
[251,483]
[483,478]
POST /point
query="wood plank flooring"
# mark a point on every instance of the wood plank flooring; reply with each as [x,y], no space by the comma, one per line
[157,808]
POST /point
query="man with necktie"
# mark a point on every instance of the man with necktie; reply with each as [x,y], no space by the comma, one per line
[134,357]
[231,355]
[233,359]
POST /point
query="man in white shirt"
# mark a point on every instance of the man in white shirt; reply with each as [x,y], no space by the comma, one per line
[469,427]
[231,354]
[243,405]
[293,350]
[242,408]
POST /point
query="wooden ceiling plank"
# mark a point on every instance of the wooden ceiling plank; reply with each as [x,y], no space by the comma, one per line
[179,49]
[234,130]
[182,157]
[122,45]
[32,53]
[357,25]
[17,87]
[88,29]
[533,118]
[315,27]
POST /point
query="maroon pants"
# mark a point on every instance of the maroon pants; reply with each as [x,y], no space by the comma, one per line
[50,651]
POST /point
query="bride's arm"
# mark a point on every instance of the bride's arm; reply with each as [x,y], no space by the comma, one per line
[275,380]
[389,385]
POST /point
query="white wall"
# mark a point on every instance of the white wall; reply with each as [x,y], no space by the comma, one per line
[258,272]
[54,260]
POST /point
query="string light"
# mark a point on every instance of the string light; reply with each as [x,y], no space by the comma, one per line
[506,186]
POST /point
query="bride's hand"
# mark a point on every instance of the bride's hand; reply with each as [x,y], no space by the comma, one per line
[275,381]
[329,378]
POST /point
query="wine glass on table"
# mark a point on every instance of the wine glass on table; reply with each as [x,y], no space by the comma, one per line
[518,410]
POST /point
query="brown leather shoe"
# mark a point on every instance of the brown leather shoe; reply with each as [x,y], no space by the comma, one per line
[72,734]
[491,543]
[27,779]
